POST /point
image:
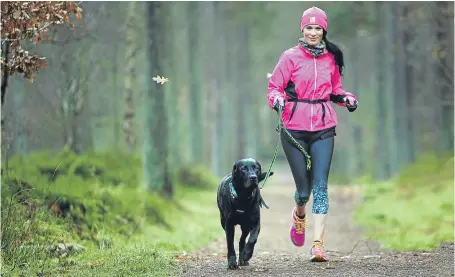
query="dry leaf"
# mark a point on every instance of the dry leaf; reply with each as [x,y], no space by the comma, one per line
[160,80]
[30,20]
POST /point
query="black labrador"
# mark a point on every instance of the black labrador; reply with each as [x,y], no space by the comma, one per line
[239,201]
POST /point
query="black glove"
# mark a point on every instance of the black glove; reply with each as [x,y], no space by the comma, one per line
[350,107]
[277,104]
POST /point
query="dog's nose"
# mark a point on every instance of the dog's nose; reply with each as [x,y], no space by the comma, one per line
[253,178]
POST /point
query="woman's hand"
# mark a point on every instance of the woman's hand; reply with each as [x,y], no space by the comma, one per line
[351,103]
[279,101]
[350,100]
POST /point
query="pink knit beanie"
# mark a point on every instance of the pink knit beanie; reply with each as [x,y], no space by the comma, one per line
[314,15]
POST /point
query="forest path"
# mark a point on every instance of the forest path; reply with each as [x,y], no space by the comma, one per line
[350,253]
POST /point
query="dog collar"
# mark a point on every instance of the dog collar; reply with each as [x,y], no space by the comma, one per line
[232,190]
[234,193]
[234,196]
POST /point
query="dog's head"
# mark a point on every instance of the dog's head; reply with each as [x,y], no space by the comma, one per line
[246,175]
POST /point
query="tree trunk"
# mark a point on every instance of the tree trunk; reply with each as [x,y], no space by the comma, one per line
[156,173]
[229,138]
[5,72]
[391,89]
[382,171]
[445,34]
[195,101]
[358,164]
[214,67]
[64,93]
[20,130]
[116,96]
[79,105]
[241,94]
[431,101]
[409,89]
[130,78]
[401,103]
[250,106]
[176,97]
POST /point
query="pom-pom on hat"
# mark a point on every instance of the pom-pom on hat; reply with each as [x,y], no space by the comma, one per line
[314,15]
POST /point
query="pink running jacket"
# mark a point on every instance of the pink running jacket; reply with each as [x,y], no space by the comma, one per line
[302,77]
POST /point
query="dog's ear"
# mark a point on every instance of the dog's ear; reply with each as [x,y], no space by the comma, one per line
[258,164]
[263,174]
[234,170]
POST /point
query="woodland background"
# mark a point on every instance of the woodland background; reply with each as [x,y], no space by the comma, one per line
[95,115]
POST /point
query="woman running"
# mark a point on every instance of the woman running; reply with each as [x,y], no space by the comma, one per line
[306,77]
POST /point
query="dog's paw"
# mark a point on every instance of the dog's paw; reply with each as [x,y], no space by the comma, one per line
[248,252]
[243,263]
[232,263]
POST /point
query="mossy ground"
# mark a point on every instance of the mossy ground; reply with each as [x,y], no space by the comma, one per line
[96,200]
[415,210]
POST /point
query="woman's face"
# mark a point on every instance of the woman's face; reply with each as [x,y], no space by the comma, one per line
[312,34]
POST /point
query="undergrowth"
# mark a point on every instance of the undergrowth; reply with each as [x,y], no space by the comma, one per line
[414,210]
[95,200]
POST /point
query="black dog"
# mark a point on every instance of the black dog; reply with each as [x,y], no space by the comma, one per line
[239,201]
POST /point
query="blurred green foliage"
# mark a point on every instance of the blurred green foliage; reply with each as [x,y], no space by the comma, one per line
[415,210]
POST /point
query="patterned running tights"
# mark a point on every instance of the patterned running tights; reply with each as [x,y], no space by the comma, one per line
[315,179]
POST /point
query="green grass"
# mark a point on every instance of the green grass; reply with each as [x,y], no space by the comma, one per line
[125,231]
[195,224]
[415,210]
[150,253]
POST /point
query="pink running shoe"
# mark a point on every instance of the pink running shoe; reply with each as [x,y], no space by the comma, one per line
[297,230]
[318,253]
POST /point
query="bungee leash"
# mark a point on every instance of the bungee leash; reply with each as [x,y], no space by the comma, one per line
[279,128]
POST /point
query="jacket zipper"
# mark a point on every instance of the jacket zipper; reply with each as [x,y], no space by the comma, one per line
[314,91]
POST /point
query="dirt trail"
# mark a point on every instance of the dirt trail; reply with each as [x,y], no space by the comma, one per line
[275,255]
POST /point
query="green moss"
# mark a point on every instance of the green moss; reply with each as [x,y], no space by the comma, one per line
[414,210]
[197,176]
[132,260]
[96,200]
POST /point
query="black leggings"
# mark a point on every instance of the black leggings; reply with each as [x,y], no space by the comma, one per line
[316,178]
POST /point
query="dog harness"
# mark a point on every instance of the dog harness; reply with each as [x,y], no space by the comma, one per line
[235,196]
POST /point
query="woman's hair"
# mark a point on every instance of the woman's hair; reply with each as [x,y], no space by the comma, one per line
[336,51]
